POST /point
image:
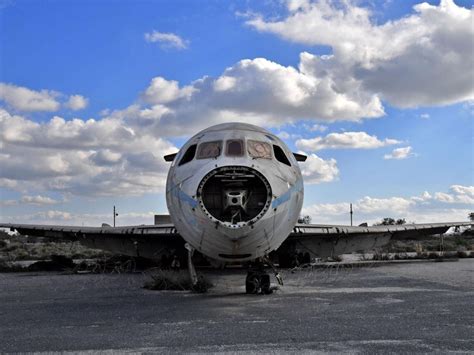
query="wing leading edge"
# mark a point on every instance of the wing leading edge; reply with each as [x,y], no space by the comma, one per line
[330,240]
[403,231]
[149,241]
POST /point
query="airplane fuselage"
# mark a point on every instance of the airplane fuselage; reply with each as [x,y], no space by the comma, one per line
[234,192]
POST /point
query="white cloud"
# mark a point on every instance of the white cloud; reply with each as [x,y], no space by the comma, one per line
[24,99]
[345,140]
[444,197]
[458,194]
[318,128]
[225,83]
[400,153]
[419,60]
[316,170]
[38,200]
[425,115]
[105,157]
[167,40]
[422,209]
[78,219]
[8,183]
[425,196]
[30,200]
[258,91]
[283,135]
[77,102]
[162,91]
[386,205]
[286,136]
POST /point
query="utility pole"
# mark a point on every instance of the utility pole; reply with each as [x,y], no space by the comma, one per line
[351,214]
[115,215]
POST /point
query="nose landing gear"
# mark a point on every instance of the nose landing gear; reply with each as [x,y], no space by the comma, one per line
[191,269]
[258,281]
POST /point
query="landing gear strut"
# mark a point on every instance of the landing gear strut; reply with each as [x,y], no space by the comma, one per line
[191,269]
[258,281]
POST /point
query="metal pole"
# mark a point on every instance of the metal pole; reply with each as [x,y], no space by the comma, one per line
[351,214]
[114,216]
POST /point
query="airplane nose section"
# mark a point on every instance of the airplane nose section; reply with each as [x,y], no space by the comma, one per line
[234,196]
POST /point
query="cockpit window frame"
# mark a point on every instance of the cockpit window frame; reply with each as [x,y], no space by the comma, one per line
[201,147]
[189,155]
[251,144]
[242,145]
[280,155]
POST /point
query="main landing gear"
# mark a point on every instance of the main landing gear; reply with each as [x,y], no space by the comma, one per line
[258,281]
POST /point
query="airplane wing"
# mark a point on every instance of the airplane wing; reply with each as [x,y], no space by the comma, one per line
[330,240]
[152,241]
[149,241]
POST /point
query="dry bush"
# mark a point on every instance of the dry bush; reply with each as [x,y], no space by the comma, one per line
[176,280]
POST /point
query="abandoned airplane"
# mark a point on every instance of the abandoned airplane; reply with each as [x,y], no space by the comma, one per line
[234,193]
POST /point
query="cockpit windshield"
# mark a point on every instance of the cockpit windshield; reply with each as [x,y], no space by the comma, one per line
[235,148]
[257,149]
[209,150]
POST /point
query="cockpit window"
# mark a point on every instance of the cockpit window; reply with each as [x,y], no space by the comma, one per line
[235,148]
[257,149]
[280,155]
[189,155]
[209,150]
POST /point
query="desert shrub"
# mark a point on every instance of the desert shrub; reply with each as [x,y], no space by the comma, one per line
[365,257]
[463,254]
[381,256]
[6,267]
[461,242]
[57,263]
[400,256]
[176,280]
[11,248]
[19,254]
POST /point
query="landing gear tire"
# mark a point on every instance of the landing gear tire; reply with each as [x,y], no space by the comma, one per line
[265,284]
[258,282]
[252,284]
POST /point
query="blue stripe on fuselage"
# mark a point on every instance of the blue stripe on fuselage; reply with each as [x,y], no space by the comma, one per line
[287,195]
[180,195]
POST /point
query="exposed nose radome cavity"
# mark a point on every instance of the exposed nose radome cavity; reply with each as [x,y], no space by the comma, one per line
[234,196]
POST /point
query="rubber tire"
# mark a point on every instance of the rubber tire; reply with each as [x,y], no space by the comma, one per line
[252,284]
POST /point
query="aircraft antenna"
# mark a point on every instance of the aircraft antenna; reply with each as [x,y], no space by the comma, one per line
[351,212]
[115,215]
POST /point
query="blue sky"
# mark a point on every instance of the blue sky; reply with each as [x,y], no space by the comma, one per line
[374,76]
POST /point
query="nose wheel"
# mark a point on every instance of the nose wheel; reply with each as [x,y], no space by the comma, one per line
[258,281]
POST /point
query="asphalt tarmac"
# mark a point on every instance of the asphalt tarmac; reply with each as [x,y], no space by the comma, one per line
[402,308]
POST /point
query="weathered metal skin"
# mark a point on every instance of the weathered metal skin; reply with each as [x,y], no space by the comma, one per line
[234,241]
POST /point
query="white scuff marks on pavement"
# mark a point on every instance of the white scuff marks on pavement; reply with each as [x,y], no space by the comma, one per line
[388,300]
[349,290]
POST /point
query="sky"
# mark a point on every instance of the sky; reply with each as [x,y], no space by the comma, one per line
[378,94]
